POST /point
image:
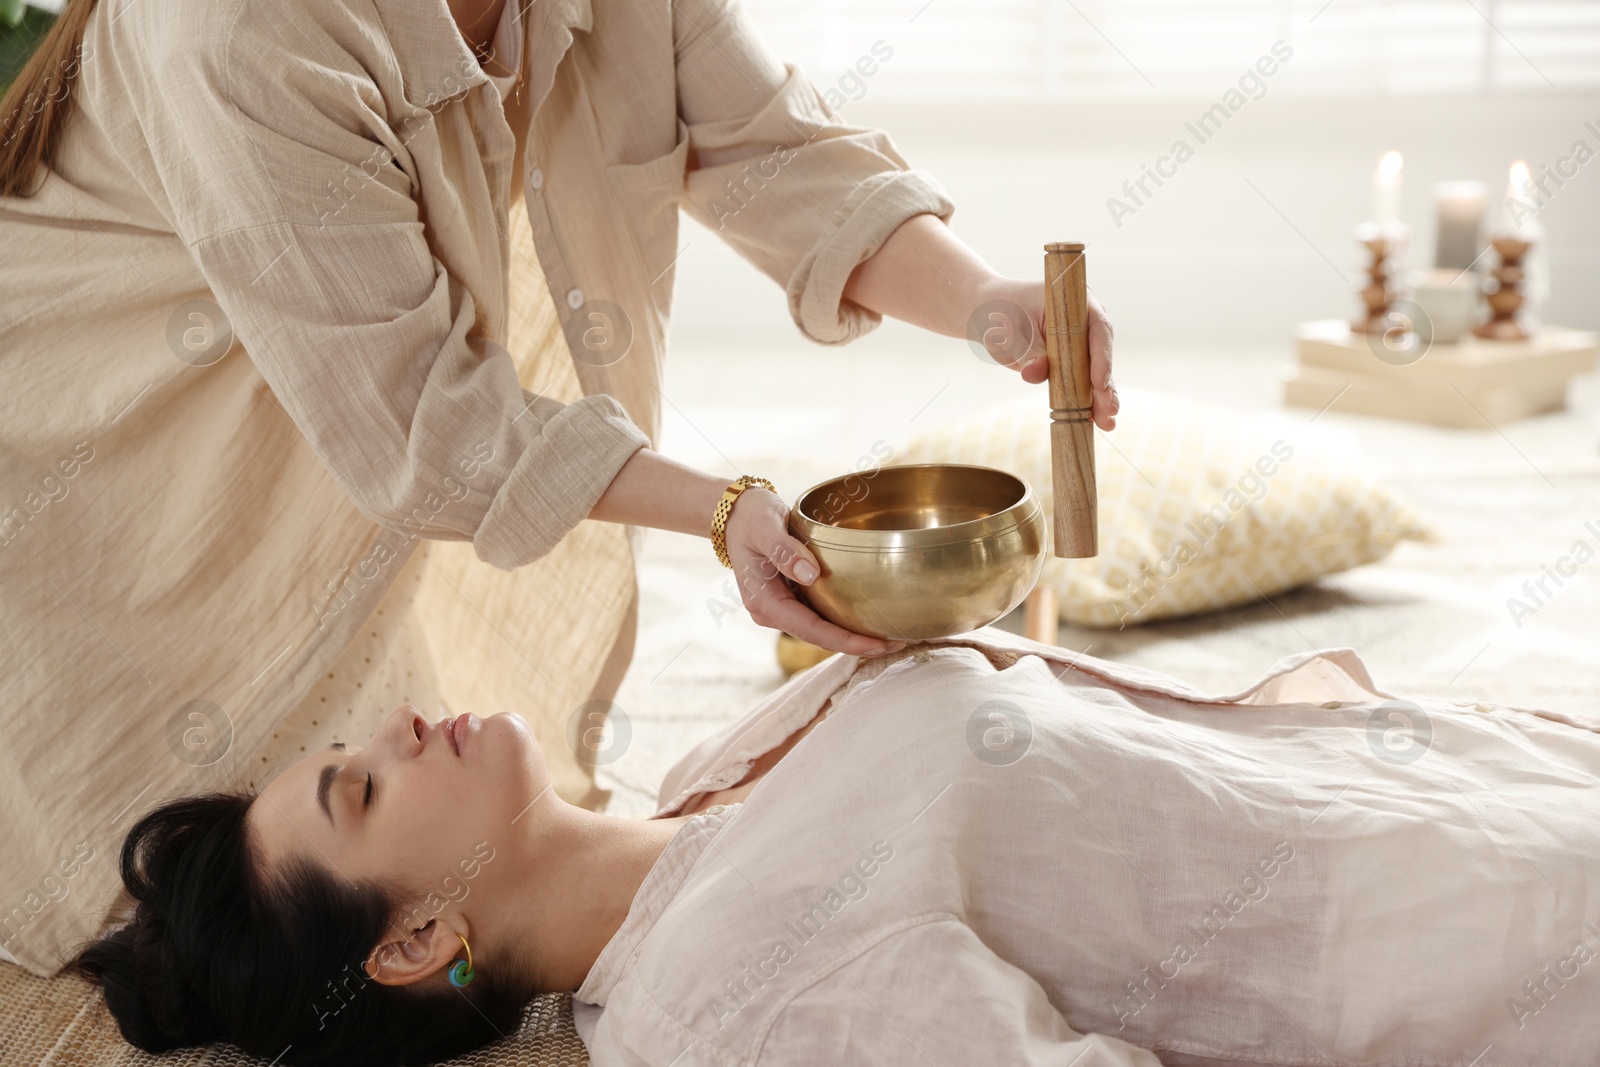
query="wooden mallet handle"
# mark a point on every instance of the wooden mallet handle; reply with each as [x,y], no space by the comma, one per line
[1066,345]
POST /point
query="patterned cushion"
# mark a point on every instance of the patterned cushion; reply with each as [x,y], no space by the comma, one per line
[1201,507]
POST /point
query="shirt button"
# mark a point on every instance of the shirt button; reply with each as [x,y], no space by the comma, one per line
[536,179]
[574,298]
[1482,707]
[716,809]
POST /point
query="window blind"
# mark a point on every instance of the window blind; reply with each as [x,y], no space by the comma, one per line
[1050,49]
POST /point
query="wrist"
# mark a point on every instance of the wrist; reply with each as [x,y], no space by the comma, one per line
[987,287]
[996,286]
[707,495]
[661,493]
[722,519]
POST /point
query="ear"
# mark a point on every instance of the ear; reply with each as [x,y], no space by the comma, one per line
[411,959]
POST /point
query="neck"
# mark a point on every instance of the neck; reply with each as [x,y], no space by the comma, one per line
[578,877]
[477,20]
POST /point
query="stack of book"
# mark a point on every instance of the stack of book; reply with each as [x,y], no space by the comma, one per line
[1471,383]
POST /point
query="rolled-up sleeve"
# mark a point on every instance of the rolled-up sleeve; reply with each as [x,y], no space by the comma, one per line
[797,192]
[287,184]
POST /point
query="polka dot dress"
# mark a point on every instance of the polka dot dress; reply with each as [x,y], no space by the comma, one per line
[389,664]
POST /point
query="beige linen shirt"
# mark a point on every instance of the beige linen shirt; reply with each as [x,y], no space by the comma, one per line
[299,419]
[997,851]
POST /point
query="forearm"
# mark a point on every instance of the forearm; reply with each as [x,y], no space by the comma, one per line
[923,274]
[653,490]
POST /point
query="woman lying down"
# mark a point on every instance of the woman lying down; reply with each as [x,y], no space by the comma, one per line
[980,850]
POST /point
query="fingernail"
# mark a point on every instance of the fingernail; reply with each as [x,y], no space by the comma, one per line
[805,571]
[877,650]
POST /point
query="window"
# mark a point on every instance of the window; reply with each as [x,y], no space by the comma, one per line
[1054,49]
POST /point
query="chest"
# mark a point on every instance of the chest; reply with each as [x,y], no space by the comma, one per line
[758,769]
[520,117]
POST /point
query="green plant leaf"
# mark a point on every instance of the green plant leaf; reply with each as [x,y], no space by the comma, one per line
[11,11]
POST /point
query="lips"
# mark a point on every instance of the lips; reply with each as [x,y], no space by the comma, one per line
[456,730]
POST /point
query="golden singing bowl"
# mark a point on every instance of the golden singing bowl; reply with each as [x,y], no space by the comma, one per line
[920,550]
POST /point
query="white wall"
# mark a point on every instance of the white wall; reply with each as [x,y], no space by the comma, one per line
[1208,259]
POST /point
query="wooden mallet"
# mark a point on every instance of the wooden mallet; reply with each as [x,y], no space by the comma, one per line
[1066,345]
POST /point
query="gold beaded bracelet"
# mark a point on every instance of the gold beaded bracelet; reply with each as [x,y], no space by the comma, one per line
[719,519]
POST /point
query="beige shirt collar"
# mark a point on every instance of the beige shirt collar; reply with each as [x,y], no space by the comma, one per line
[438,64]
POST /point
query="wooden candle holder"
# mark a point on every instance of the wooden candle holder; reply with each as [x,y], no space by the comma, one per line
[1378,295]
[1066,340]
[1506,298]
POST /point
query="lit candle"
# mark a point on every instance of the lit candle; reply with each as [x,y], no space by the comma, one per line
[1386,190]
[1518,208]
[1519,217]
[1460,210]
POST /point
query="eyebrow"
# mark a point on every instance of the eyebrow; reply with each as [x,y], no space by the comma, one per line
[325,782]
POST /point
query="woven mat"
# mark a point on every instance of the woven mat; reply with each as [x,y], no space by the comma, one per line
[63,1022]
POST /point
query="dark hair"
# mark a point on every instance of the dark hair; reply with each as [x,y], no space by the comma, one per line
[220,950]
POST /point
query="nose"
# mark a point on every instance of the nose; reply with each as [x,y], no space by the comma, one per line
[404,730]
